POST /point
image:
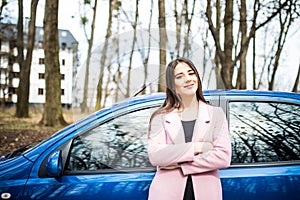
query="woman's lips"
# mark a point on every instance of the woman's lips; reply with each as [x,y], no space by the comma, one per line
[189,86]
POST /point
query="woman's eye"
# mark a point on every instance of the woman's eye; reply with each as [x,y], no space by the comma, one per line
[178,76]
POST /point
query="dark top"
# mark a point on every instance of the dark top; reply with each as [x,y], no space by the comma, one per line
[188,127]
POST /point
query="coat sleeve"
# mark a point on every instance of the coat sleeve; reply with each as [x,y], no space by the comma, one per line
[220,156]
[161,151]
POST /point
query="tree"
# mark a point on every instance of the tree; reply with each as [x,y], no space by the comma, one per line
[22,108]
[134,26]
[228,55]
[3,4]
[103,56]
[162,44]
[275,37]
[20,47]
[295,87]
[285,20]
[53,110]
[90,40]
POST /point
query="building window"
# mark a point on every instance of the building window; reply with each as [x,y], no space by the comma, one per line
[63,45]
[62,92]
[63,62]
[41,91]
[62,77]
[41,76]
[40,44]
[41,61]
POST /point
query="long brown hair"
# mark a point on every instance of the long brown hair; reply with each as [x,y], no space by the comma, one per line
[173,100]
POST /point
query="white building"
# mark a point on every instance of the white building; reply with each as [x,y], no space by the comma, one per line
[68,58]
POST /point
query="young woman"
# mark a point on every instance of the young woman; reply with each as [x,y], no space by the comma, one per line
[188,139]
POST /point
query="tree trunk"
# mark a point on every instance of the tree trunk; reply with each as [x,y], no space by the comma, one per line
[243,28]
[134,26]
[53,110]
[3,4]
[253,64]
[227,67]
[295,88]
[178,22]
[84,107]
[146,60]
[22,104]
[22,108]
[188,21]
[162,45]
[103,58]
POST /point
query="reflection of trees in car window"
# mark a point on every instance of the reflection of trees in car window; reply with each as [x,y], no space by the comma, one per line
[117,144]
[264,132]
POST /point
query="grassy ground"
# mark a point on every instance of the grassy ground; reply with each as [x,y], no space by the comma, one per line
[18,132]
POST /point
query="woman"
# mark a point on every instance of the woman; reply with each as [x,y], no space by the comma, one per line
[188,139]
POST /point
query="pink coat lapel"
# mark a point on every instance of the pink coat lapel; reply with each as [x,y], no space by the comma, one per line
[174,127]
[203,123]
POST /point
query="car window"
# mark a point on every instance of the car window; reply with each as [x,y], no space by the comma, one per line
[264,132]
[118,144]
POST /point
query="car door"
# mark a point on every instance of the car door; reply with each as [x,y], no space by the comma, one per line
[107,161]
[265,133]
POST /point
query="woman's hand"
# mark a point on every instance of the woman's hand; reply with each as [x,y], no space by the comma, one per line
[170,167]
[202,147]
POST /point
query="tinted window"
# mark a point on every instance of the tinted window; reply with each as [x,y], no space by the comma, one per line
[264,132]
[118,144]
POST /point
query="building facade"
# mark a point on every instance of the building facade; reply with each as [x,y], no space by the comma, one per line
[9,69]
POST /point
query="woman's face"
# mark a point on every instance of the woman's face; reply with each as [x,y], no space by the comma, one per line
[186,82]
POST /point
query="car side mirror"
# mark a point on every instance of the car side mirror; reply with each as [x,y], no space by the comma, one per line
[54,164]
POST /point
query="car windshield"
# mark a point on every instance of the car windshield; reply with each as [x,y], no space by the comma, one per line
[17,152]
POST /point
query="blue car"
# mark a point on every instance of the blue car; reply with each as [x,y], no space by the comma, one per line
[104,156]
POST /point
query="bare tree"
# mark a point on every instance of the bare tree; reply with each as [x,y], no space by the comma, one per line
[3,4]
[242,82]
[275,37]
[162,44]
[188,23]
[20,47]
[145,55]
[90,40]
[225,52]
[134,26]
[296,84]
[285,20]
[103,56]
[22,108]
[53,109]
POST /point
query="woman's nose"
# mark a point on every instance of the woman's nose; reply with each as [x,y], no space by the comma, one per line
[187,78]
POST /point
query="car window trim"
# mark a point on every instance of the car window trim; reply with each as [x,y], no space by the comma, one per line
[109,171]
[266,164]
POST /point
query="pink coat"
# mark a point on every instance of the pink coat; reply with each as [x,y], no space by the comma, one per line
[167,147]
